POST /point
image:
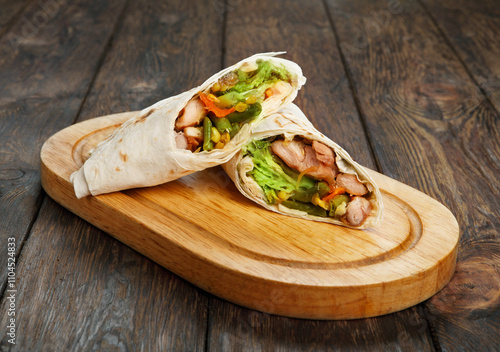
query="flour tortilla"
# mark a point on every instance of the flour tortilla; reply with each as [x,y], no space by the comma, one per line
[291,122]
[142,152]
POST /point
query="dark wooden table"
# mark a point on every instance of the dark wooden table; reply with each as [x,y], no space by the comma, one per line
[409,88]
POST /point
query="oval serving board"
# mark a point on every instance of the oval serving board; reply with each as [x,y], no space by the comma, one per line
[202,229]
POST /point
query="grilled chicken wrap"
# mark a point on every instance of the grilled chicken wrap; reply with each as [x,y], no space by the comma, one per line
[192,131]
[289,167]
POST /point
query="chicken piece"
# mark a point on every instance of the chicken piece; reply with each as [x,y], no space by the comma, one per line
[318,169]
[193,114]
[324,153]
[181,141]
[194,136]
[291,152]
[358,210]
[302,157]
[350,183]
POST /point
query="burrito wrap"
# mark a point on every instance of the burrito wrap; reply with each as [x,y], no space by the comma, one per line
[142,152]
[290,122]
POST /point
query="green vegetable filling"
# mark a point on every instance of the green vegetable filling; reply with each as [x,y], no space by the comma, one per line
[265,76]
[253,83]
[280,184]
[276,180]
[247,94]
[245,116]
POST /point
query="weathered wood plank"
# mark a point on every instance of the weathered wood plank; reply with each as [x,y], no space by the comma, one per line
[244,330]
[43,79]
[80,290]
[303,29]
[111,296]
[472,29]
[414,95]
[326,98]
[167,54]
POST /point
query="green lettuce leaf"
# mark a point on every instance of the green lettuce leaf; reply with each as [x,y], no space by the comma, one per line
[271,174]
[266,75]
[253,83]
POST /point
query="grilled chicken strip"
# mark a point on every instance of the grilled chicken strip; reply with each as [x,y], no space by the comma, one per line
[194,112]
[358,210]
[324,153]
[350,183]
[303,157]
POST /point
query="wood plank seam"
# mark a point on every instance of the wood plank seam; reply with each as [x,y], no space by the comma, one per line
[430,327]
[208,321]
[357,103]
[19,248]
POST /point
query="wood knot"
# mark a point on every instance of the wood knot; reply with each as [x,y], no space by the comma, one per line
[474,288]
[11,174]
[431,99]
[438,91]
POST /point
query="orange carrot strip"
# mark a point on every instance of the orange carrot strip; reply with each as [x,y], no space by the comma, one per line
[210,106]
[335,192]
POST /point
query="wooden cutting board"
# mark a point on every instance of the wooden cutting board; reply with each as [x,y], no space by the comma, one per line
[202,229]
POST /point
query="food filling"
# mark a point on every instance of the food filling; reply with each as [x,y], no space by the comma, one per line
[303,175]
[214,116]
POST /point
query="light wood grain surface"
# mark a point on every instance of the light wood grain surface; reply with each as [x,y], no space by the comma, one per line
[202,229]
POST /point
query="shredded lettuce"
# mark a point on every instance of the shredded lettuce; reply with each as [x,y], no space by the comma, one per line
[270,173]
[265,76]
[253,83]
